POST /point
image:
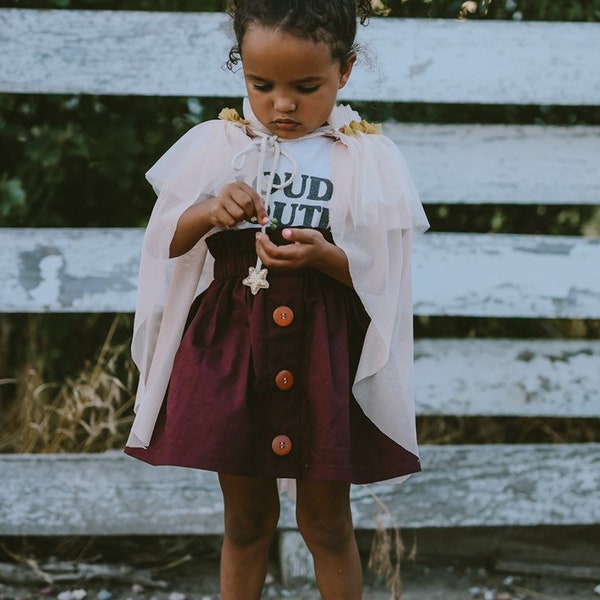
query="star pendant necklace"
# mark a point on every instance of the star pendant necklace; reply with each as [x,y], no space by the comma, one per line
[257,275]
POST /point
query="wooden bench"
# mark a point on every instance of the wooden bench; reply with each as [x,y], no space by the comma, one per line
[456,274]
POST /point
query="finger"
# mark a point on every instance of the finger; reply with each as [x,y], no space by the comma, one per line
[239,200]
[302,236]
[272,255]
[265,245]
[284,251]
[220,216]
[260,212]
[235,209]
[240,204]
[252,203]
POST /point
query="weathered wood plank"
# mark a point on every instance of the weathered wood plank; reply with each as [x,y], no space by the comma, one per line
[295,561]
[112,494]
[550,484]
[507,276]
[553,378]
[104,494]
[501,164]
[173,54]
[69,270]
[81,270]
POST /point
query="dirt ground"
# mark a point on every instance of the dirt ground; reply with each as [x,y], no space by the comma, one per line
[420,582]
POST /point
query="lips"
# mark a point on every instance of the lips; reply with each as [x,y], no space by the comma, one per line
[285,123]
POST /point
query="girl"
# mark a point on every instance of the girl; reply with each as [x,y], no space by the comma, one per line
[295,360]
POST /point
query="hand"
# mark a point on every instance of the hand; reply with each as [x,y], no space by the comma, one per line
[235,203]
[306,251]
[309,249]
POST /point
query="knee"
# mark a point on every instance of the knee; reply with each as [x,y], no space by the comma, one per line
[332,533]
[249,528]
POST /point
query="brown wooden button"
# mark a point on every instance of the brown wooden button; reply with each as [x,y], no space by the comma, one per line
[283,316]
[281,445]
[284,380]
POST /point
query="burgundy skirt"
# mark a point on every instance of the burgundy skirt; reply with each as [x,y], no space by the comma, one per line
[262,385]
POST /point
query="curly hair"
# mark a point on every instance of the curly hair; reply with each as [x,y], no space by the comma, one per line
[330,21]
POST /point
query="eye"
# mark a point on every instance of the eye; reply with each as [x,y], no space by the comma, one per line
[262,87]
[307,89]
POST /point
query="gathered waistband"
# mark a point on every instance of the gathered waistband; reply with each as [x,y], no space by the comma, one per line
[234,251]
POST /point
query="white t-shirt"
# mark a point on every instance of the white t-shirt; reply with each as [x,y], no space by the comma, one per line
[305,201]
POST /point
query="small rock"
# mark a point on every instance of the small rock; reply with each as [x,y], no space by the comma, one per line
[474,591]
[597,590]
[66,595]
[136,588]
[509,580]
[503,596]
[488,595]
[176,596]
[79,594]
[104,595]
[46,591]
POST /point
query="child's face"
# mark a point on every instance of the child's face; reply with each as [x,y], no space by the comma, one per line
[292,82]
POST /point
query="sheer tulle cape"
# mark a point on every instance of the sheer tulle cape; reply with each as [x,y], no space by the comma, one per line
[374,214]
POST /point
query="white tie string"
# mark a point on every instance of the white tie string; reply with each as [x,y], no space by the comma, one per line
[257,276]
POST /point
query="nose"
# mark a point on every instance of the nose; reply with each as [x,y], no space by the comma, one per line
[284,104]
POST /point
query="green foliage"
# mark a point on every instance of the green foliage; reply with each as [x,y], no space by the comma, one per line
[538,10]
[150,5]
[79,160]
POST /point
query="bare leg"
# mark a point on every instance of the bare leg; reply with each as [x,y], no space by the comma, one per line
[251,516]
[325,522]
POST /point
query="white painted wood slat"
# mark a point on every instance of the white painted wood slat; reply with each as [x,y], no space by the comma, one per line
[175,54]
[95,270]
[490,485]
[69,270]
[112,494]
[505,377]
[507,276]
[501,164]
[105,494]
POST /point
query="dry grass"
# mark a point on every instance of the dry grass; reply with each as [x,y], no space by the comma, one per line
[441,430]
[91,412]
[387,548]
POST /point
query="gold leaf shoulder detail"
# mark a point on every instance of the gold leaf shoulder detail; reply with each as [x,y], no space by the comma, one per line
[356,127]
[230,114]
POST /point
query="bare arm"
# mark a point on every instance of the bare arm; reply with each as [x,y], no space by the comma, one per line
[237,202]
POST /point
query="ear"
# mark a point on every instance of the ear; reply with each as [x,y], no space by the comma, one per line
[346,70]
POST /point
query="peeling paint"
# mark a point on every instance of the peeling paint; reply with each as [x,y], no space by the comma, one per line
[30,265]
[548,247]
[420,68]
[44,275]
[526,356]
[567,356]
